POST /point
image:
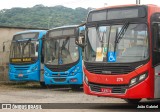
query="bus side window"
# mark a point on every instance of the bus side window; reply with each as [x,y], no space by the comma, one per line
[156,33]
[158,37]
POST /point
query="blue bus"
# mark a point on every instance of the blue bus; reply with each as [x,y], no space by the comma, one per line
[26,59]
[62,57]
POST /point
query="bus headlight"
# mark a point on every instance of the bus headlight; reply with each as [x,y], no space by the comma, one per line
[143,76]
[75,71]
[35,68]
[138,79]
[133,81]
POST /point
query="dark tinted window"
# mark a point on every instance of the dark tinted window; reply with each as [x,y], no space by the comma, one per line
[120,14]
[62,32]
[117,13]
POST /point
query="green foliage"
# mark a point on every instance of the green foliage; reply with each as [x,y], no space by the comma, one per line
[41,16]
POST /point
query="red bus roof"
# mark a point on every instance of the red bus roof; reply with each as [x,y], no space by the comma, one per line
[127,5]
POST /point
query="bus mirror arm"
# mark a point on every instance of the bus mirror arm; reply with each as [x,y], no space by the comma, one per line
[80,41]
[42,38]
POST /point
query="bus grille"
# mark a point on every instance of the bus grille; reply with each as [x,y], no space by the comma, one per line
[59,79]
[21,67]
[60,69]
[119,89]
[59,75]
[108,68]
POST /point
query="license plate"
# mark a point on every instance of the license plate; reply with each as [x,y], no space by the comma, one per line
[106,90]
[20,75]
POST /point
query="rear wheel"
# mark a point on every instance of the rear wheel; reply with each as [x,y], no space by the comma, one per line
[75,87]
[132,101]
[43,84]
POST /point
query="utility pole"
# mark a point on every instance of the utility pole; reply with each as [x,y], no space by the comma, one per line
[105,4]
[138,2]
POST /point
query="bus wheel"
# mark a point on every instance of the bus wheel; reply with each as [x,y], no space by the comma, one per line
[43,84]
[75,87]
[132,101]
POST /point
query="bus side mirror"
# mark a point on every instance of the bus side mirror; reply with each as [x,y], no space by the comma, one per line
[80,41]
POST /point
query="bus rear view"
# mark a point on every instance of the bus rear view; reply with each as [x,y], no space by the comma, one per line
[122,52]
[63,58]
[25,56]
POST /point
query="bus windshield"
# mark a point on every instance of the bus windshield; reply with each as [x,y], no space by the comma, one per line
[103,46]
[60,51]
[24,49]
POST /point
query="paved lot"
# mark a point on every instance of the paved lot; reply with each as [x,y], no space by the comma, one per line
[33,93]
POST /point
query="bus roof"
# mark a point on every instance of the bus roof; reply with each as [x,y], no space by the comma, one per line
[61,27]
[28,31]
[120,6]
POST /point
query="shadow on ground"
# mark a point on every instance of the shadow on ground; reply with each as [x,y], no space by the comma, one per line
[36,85]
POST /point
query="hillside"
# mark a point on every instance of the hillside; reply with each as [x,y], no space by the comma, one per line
[42,17]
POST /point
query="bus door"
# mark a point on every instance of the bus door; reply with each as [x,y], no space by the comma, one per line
[155,28]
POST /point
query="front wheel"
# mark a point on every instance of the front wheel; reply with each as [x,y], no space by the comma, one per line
[132,101]
[43,84]
[75,87]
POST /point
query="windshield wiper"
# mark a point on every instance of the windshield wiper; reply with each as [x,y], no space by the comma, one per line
[60,61]
[64,43]
[120,34]
[27,42]
[25,46]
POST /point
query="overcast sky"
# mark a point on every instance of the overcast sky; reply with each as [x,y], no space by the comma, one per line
[7,4]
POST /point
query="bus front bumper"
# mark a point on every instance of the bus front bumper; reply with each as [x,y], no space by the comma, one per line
[69,80]
[31,76]
[140,90]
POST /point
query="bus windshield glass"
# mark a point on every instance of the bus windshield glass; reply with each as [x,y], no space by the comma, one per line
[102,44]
[60,51]
[24,49]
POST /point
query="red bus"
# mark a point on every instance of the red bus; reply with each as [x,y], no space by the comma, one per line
[122,52]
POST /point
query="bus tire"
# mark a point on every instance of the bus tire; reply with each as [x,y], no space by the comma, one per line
[43,84]
[75,87]
[132,101]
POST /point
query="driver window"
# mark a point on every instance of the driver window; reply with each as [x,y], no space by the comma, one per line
[156,33]
[158,38]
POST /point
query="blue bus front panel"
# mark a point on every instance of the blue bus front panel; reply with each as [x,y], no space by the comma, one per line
[73,76]
[26,72]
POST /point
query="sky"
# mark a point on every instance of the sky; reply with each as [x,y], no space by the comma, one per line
[7,4]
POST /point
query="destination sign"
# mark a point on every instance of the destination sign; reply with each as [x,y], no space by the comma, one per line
[117,13]
[61,32]
[14,60]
